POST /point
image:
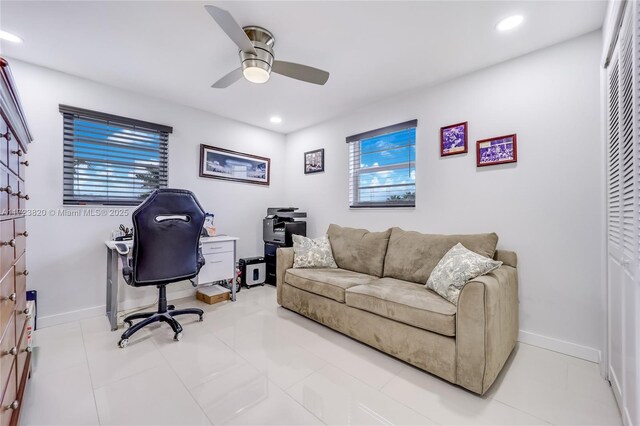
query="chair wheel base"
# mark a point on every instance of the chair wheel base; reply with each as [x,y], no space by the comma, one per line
[163,315]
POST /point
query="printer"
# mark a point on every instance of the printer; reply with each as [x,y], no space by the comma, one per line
[281,222]
[277,228]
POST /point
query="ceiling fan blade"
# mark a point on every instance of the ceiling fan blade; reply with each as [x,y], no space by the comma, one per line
[300,72]
[231,28]
[228,79]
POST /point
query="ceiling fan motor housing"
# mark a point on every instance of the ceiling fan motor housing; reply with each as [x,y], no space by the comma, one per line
[263,42]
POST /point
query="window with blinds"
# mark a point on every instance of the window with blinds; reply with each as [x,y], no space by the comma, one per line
[112,160]
[382,167]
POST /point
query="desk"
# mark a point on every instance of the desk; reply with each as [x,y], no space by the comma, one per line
[220,263]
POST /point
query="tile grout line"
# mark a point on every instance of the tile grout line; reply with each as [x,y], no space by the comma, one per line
[395,375]
[128,376]
[284,391]
[536,415]
[180,380]
[379,390]
[288,395]
[387,395]
[264,374]
[93,389]
[304,378]
[547,421]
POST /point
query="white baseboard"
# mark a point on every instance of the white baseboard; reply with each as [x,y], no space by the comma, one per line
[81,314]
[562,346]
[144,301]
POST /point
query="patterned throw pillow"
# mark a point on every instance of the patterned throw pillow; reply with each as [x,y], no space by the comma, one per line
[455,269]
[308,253]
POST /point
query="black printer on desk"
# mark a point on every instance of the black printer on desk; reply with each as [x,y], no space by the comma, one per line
[277,228]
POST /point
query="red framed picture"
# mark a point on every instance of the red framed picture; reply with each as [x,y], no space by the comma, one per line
[498,150]
[453,139]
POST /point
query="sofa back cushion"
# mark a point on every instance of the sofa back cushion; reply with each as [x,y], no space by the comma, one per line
[358,249]
[411,256]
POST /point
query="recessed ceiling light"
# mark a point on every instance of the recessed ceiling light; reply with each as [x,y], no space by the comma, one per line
[275,119]
[509,23]
[10,37]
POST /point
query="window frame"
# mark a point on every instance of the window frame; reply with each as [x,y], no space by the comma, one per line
[354,142]
[70,114]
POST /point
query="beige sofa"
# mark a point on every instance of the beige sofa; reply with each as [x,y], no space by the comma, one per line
[377,296]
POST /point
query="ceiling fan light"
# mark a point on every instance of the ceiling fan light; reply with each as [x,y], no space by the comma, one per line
[256,74]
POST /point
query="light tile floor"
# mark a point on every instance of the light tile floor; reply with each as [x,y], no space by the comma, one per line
[252,362]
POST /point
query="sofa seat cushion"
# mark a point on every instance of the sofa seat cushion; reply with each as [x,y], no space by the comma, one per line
[327,282]
[405,302]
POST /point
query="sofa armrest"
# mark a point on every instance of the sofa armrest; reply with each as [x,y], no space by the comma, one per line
[284,261]
[508,258]
[487,327]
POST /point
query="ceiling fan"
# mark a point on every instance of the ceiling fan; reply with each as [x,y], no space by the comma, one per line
[256,55]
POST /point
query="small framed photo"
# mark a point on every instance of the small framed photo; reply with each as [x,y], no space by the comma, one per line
[219,163]
[314,161]
[498,150]
[453,139]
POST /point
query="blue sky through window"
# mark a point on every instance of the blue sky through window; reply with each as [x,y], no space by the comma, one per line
[385,168]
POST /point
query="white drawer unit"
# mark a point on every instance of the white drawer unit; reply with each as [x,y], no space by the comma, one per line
[220,260]
[218,266]
[217,247]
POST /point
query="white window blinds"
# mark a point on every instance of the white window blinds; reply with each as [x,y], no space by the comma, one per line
[382,168]
[112,160]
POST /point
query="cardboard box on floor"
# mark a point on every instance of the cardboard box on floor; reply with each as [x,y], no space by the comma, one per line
[213,294]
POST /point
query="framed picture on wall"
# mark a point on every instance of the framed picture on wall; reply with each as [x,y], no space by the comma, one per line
[219,163]
[453,139]
[498,150]
[314,161]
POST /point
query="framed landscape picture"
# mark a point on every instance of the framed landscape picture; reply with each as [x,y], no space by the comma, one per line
[453,139]
[314,161]
[498,150]
[219,163]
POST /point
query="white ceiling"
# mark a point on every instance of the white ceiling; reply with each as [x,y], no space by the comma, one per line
[175,51]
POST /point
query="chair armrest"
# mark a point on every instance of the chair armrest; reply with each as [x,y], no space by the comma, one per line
[284,261]
[127,263]
[487,327]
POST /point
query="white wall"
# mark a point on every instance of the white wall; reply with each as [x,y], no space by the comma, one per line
[66,255]
[547,207]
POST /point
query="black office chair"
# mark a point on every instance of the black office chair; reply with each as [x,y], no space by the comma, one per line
[166,249]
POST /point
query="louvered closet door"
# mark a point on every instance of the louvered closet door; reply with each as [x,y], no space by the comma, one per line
[623,223]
